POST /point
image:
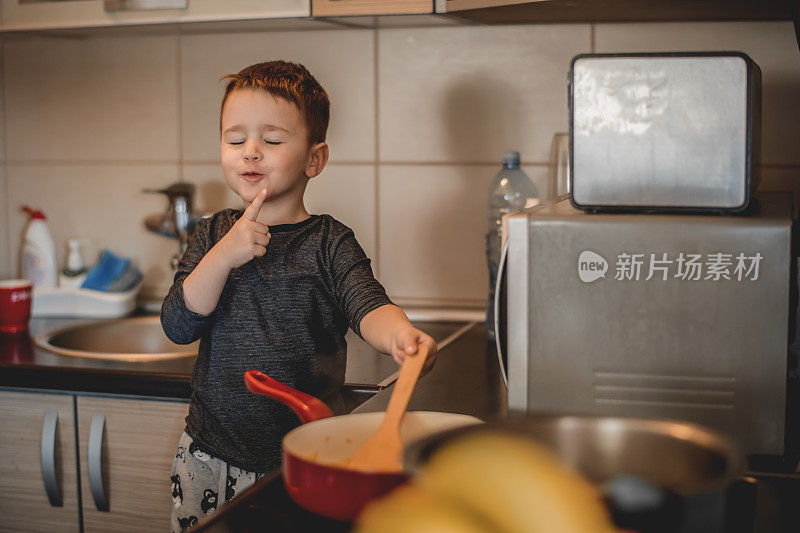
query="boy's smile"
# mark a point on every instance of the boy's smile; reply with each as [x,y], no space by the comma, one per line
[264,144]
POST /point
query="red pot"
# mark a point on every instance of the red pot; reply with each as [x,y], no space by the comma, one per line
[315,455]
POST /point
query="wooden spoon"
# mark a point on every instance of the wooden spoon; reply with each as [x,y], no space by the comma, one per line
[384,449]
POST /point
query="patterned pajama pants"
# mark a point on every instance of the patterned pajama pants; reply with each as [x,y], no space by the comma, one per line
[200,482]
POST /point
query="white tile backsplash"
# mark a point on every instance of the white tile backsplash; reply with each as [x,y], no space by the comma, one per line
[771,45]
[102,203]
[348,193]
[468,94]
[93,99]
[420,119]
[432,224]
[342,61]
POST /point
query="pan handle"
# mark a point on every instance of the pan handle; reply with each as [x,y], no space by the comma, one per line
[304,405]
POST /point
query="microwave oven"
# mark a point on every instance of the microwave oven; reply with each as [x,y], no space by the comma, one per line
[677,316]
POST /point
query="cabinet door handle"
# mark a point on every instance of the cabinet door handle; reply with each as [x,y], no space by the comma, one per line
[96,463]
[49,458]
[498,285]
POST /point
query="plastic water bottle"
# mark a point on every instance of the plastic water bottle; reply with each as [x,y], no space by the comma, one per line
[511,190]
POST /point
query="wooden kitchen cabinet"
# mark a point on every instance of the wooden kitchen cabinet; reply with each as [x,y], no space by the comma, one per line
[24,503]
[49,14]
[333,8]
[533,11]
[135,441]
[139,440]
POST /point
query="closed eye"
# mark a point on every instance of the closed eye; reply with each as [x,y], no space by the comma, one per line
[273,143]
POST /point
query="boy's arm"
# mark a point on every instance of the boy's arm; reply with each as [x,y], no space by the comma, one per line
[202,288]
[388,330]
[181,325]
[244,241]
[363,300]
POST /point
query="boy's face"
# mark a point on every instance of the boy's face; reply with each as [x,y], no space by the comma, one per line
[264,144]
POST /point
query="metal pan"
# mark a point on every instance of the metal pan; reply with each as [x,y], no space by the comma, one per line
[656,475]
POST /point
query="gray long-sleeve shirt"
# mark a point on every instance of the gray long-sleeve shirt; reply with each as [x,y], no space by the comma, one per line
[285,313]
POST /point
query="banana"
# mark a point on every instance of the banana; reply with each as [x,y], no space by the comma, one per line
[521,485]
[412,509]
[491,482]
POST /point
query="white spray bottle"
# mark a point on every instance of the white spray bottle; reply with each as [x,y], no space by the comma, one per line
[38,252]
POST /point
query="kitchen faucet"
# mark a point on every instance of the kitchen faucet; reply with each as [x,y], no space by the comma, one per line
[177,222]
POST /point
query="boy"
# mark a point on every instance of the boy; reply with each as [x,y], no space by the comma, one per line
[269,288]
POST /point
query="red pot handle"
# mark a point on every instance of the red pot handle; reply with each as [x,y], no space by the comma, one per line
[306,406]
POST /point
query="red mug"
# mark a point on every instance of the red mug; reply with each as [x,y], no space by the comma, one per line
[15,305]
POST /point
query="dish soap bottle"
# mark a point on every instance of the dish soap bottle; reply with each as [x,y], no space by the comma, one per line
[39,252]
[510,190]
[74,273]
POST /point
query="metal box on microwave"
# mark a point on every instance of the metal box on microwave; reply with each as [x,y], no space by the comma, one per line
[664,131]
[669,316]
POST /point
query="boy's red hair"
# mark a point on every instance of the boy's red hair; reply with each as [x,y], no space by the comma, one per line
[292,82]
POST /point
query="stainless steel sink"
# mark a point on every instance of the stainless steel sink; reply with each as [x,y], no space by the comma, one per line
[138,339]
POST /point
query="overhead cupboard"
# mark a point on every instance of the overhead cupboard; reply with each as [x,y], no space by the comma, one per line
[43,15]
[52,14]
[333,8]
[533,11]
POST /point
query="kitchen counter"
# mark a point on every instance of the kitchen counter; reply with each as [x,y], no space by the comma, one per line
[466,379]
[24,364]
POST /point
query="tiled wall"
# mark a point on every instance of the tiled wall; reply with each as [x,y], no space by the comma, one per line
[420,119]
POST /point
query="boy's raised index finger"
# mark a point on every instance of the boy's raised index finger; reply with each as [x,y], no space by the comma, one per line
[251,213]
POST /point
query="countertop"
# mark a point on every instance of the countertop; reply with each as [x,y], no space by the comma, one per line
[24,364]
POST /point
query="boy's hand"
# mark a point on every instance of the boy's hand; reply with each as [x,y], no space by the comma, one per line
[247,238]
[405,344]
